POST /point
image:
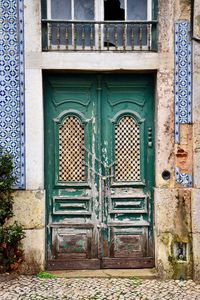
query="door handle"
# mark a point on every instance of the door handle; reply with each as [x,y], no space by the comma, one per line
[150,142]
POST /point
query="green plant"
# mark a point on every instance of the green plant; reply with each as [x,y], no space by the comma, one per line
[136,281]
[95,296]
[11,254]
[46,275]
[6,182]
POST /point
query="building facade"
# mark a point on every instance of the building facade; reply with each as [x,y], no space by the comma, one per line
[100,109]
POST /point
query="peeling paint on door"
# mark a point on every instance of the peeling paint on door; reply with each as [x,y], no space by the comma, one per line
[104,220]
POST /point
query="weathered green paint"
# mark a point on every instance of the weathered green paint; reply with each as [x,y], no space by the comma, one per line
[154,9]
[99,218]
[44,9]
[44,26]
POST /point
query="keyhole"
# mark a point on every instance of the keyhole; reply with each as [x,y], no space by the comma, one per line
[166,175]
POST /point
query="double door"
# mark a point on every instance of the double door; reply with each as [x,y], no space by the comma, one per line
[99,170]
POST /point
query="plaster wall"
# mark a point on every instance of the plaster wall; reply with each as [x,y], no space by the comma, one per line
[170,200]
[196,143]
[172,203]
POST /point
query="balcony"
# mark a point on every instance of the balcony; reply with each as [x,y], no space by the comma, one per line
[117,36]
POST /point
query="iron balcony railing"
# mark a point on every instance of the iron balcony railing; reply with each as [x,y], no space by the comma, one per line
[61,35]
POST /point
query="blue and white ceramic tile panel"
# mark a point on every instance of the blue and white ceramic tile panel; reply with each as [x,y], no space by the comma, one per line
[183,86]
[12,84]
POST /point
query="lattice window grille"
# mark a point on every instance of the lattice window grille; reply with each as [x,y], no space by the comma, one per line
[127,150]
[71,151]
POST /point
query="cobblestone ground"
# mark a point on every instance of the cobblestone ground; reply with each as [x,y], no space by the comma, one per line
[27,287]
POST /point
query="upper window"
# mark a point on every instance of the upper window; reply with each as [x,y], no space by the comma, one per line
[99,25]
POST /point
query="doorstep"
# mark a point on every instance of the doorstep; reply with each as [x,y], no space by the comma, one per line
[107,273]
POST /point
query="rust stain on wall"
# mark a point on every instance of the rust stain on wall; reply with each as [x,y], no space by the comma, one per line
[183,151]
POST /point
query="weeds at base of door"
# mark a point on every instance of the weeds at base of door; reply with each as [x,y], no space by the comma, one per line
[95,297]
[46,275]
[136,281]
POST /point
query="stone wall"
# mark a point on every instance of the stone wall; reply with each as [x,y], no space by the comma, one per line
[172,200]
[196,143]
[29,208]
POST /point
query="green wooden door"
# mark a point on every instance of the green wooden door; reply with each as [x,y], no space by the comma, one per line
[99,170]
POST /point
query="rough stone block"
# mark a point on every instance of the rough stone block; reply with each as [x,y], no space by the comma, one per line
[161,258]
[166,263]
[196,154]
[196,255]
[195,211]
[173,227]
[34,250]
[29,208]
[172,211]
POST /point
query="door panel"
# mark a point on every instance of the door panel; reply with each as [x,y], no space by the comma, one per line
[70,185]
[128,114]
[99,167]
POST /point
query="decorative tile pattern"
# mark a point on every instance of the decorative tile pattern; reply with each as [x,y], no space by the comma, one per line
[12,84]
[183,87]
[183,76]
[183,178]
